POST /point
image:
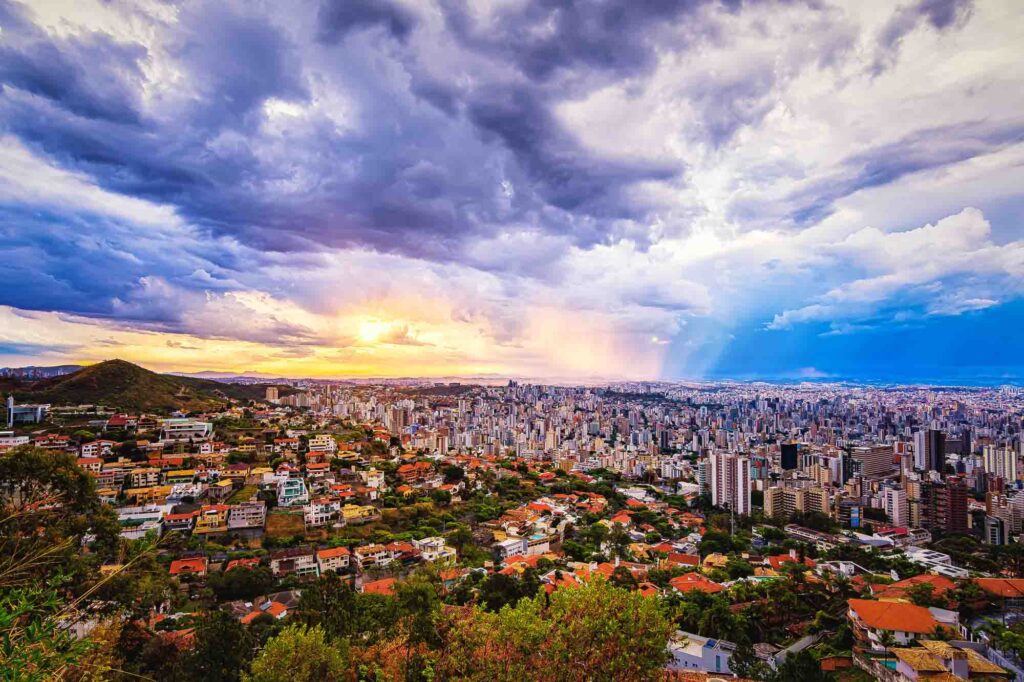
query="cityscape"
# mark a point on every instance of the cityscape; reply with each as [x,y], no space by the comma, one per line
[512,340]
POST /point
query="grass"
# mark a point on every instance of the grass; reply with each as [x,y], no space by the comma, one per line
[243,494]
[284,525]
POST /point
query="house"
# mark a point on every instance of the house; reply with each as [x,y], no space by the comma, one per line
[179,522]
[121,422]
[221,490]
[298,560]
[1009,590]
[98,448]
[194,566]
[870,619]
[510,547]
[333,559]
[212,518]
[274,609]
[940,586]
[779,560]
[252,514]
[689,582]
[291,491]
[91,464]
[321,511]
[373,478]
[52,441]
[693,653]
[383,586]
[355,513]
[144,477]
[183,429]
[323,443]
[434,550]
[938,660]
[251,562]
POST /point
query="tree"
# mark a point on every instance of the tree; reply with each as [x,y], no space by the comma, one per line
[453,474]
[222,650]
[47,506]
[419,603]
[298,654]
[888,640]
[241,582]
[745,664]
[801,667]
[594,632]
[331,603]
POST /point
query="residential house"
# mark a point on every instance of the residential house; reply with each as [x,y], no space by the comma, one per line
[251,514]
[870,619]
[193,566]
[321,511]
[291,491]
[434,550]
[693,653]
[298,560]
[212,518]
[333,559]
[938,660]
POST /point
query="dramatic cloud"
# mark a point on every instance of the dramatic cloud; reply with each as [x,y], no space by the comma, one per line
[557,188]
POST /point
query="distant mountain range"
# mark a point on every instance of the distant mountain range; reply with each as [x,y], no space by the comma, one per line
[123,385]
[33,372]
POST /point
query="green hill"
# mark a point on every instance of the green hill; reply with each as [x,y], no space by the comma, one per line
[122,385]
[125,386]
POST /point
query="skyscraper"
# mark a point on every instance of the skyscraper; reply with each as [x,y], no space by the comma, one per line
[936,450]
[876,459]
[789,455]
[896,507]
[956,513]
[730,482]
[1000,462]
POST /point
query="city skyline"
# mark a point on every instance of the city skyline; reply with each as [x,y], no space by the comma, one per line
[643,191]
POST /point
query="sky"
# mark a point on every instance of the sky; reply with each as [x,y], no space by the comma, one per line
[644,189]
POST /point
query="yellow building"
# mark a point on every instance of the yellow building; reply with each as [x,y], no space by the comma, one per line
[212,518]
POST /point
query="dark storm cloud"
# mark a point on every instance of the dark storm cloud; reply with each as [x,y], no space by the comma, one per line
[920,151]
[940,14]
[91,76]
[337,17]
[429,165]
[549,37]
[565,176]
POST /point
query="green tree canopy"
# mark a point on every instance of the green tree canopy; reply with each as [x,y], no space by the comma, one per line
[298,654]
[595,632]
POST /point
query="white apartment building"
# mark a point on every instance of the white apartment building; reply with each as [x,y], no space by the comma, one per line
[897,508]
[730,482]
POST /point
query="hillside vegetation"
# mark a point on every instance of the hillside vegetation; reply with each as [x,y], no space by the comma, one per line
[123,385]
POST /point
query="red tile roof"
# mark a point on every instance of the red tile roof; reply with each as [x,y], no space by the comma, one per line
[695,581]
[1007,588]
[894,616]
[184,566]
[382,586]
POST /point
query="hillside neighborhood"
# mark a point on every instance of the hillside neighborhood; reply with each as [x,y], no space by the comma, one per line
[262,509]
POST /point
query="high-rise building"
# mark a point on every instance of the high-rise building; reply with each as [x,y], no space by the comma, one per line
[781,502]
[876,460]
[896,507]
[956,513]
[935,450]
[271,394]
[933,504]
[1001,462]
[789,455]
[730,482]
